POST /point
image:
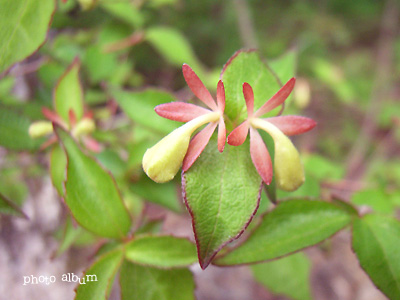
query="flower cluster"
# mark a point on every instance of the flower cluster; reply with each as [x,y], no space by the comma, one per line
[80,129]
[163,161]
[288,168]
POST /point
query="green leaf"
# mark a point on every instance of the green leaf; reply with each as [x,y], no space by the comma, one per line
[174,47]
[165,194]
[14,129]
[100,65]
[161,251]
[112,161]
[147,283]
[289,276]
[291,226]
[58,166]
[8,207]
[376,198]
[139,106]
[24,25]
[98,287]
[91,193]
[68,93]
[246,66]
[125,11]
[376,243]
[222,193]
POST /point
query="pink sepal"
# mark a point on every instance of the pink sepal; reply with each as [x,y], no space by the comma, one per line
[180,111]
[72,117]
[92,144]
[249,98]
[260,156]
[52,116]
[239,134]
[48,143]
[197,87]
[197,145]
[276,99]
[292,125]
[221,95]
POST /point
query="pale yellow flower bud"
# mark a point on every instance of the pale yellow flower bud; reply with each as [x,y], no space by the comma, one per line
[87,4]
[162,161]
[289,173]
[40,128]
[83,127]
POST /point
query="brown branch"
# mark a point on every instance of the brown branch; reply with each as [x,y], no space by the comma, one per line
[245,23]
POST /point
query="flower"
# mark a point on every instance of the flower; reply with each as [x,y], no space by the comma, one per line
[289,172]
[79,129]
[162,161]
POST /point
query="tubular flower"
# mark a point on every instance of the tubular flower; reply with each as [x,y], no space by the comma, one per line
[289,172]
[162,161]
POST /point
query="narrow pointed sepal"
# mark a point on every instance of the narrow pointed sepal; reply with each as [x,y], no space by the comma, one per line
[180,111]
[197,145]
[277,99]
[293,125]
[197,87]
[239,134]
[53,117]
[221,96]
[249,98]
[260,156]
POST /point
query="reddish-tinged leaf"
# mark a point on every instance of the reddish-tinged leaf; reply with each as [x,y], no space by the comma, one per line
[197,145]
[221,192]
[180,111]
[221,135]
[239,134]
[292,125]
[68,93]
[249,98]
[221,95]
[277,99]
[197,87]
[24,26]
[260,156]
[91,193]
